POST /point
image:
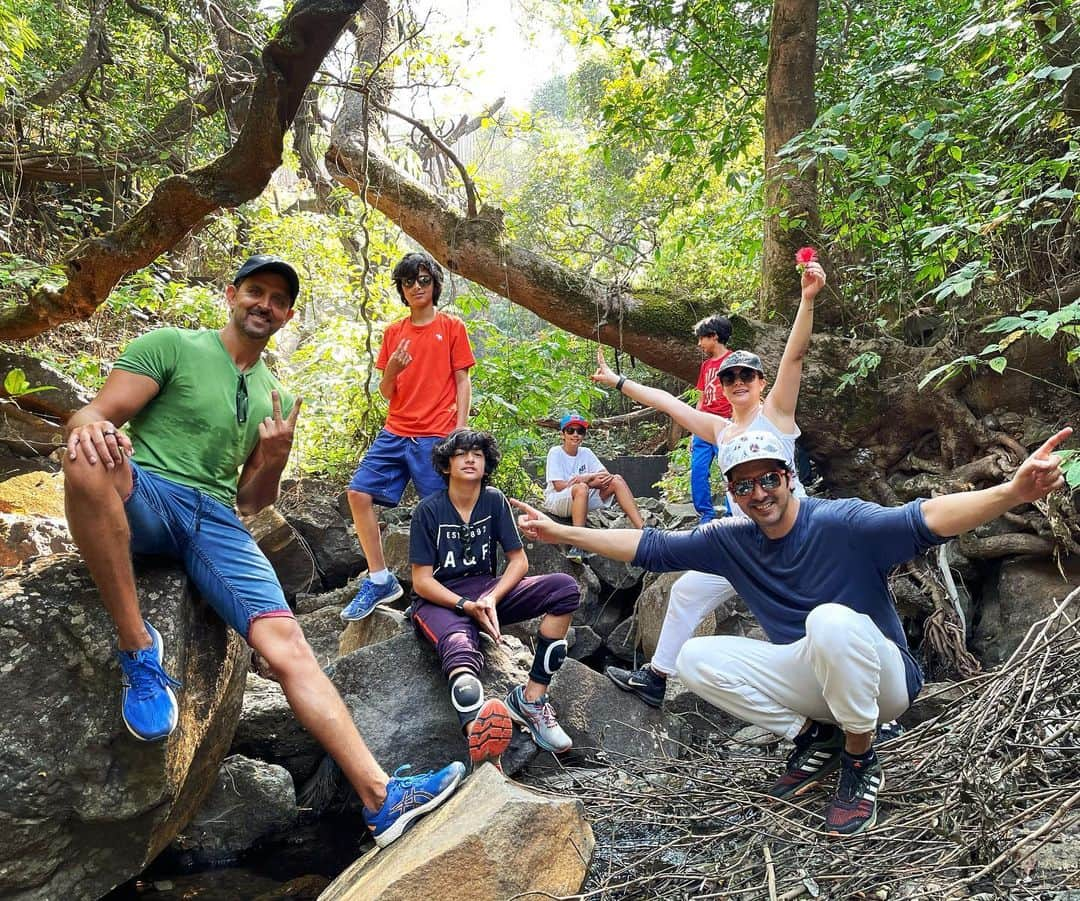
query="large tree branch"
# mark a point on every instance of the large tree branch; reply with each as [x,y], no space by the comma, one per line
[95,53]
[180,203]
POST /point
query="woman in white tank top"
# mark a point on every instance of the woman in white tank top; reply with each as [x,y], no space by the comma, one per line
[743,381]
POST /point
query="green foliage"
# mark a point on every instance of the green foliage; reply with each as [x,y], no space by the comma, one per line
[17,385]
[1070,468]
[16,38]
[858,370]
[1031,323]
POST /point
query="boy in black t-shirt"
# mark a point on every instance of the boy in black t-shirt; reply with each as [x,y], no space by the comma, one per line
[452,550]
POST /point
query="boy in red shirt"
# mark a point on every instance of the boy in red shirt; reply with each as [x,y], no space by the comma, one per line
[425,361]
[713,333]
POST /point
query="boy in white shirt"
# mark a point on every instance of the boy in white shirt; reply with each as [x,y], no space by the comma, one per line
[577,482]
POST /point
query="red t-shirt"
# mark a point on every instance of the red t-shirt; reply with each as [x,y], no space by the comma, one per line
[425,392]
[708,383]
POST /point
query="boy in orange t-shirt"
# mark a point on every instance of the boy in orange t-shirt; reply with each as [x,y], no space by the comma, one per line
[426,379]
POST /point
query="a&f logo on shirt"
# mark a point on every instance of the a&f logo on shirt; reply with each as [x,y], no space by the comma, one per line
[464,546]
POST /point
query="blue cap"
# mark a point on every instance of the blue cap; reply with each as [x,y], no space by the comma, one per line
[572,419]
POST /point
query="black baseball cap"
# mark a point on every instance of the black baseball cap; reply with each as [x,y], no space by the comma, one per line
[741,358]
[265,262]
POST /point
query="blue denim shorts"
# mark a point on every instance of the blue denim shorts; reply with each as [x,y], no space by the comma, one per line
[168,519]
[389,464]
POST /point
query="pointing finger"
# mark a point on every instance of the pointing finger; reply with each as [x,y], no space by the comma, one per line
[275,400]
[1051,443]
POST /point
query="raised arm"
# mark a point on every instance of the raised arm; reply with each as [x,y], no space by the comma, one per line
[784,397]
[707,426]
[1038,475]
[260,478]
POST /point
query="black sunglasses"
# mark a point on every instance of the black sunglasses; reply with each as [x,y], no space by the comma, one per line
[241,401]
[422,280]
[574,430]
[730,376]
[769,481]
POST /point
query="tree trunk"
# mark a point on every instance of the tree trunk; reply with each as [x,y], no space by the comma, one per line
[791,219]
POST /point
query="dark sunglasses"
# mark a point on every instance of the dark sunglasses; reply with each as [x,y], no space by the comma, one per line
[769,481]
[422,280]
[746,376]
[241,401]
[574,430]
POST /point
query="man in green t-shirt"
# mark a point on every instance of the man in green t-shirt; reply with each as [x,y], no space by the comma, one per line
[211,430]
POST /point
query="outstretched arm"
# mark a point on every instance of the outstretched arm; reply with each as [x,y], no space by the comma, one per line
[616,544]
[784,396]
[707,426]
[1037,476]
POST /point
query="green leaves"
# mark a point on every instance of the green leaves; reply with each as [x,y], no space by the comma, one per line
[16,384]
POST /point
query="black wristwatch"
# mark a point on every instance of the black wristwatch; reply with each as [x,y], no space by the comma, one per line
[460,605]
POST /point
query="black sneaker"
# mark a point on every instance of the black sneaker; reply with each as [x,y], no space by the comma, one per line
[811,761]
[646,683]
[854,809]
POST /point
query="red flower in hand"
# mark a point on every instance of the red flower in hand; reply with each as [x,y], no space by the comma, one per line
[803,256]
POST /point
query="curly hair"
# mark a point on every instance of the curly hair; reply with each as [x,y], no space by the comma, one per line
[410,267]
[714,325]
[461,440]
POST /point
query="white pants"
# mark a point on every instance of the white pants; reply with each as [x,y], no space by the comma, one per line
[844,671]
[693,596]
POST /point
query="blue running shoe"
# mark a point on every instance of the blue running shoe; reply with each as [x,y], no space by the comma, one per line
[148,703]
[370,596]
[410,797]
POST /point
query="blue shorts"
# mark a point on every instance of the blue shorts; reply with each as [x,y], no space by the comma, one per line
[389,464]
[172,520]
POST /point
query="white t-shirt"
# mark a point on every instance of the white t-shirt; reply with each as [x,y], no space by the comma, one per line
[561,467]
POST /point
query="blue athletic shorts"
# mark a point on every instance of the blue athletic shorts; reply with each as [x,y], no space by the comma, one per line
[389,464]
[220,556]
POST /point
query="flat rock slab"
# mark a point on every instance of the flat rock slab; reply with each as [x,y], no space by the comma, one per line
[493,840]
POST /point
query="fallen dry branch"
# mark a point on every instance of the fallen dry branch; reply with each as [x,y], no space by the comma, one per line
[971,801]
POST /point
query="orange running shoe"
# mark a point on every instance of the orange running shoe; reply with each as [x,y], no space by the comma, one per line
[491,733]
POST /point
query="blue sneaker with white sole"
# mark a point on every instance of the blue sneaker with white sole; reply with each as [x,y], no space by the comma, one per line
[370,596]
[410,797]
[147,702]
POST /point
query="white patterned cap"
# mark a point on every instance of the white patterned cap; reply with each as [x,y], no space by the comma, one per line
[750,446]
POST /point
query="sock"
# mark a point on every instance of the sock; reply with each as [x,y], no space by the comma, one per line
[381,577]
[866,756]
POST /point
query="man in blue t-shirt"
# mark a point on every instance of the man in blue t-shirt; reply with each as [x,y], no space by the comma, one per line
[453,540]
[815,574]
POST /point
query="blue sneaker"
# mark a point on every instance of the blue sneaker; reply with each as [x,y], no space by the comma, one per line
[148,703]
[410,797]
[370,596]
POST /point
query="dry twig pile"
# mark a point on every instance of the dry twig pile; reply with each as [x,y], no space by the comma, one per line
[971,799]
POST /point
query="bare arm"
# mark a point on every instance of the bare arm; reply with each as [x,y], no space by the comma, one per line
[260,479]
[616,544]
[1037,476]
[431,589]
[463,387]
[780,404]
[707,426]
[93,429]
